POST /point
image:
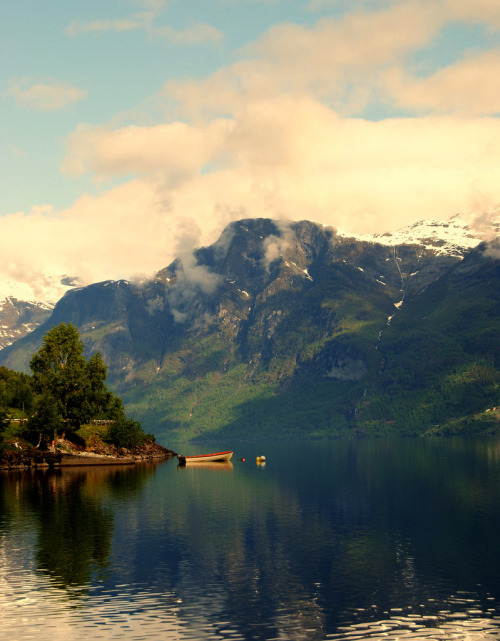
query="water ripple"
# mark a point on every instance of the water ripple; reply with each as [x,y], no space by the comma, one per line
[457,626]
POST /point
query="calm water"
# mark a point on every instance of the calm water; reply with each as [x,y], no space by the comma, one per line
[366,540]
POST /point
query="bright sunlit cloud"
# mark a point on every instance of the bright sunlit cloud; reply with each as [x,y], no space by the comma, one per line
[360,114]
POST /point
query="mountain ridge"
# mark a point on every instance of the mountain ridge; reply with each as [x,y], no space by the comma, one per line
[284,328]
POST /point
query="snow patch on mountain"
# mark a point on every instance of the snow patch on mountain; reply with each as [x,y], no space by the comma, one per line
[444,237]
[43,291]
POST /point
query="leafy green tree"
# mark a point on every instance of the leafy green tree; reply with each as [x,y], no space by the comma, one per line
[44,422]
[4,421]
[71,391]
[15,389]
[102,403]
[59,373]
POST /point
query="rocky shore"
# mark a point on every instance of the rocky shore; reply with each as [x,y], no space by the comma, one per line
[65,454]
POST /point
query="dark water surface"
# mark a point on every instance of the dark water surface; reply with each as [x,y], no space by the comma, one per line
[337,540]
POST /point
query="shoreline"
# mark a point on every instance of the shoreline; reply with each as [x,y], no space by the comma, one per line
[15,460]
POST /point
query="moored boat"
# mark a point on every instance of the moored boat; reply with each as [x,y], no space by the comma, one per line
[215,457]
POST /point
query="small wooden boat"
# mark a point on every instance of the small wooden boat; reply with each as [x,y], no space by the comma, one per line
[217,457]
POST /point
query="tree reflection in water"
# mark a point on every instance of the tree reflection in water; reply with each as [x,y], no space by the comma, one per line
[74,518]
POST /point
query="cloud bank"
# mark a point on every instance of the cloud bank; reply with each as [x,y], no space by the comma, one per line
[347,121]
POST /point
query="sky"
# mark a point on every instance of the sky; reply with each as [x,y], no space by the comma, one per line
[134,130]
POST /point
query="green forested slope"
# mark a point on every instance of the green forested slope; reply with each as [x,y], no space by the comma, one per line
[441,369]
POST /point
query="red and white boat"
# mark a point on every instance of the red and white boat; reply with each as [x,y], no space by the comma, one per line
[216,457]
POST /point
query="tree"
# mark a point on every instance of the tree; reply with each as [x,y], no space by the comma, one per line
[101,402]
[44,422]
[4,420]
[15,389]
[71,391]
[59,372]
[66,384]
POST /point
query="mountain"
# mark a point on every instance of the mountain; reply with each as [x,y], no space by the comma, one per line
[23,306]
[297,330]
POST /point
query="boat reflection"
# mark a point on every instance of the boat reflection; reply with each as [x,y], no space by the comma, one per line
[220,466]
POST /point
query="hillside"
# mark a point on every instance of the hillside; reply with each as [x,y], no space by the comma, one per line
[296,330]
[441,359]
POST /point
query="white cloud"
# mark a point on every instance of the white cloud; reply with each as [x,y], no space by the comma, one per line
[118,234]
[479,11]
[465,87]
[45,96]
[137,21]
[342,61]
[145,20]
[194,34]
[173,151]
[462,10]
[283,159]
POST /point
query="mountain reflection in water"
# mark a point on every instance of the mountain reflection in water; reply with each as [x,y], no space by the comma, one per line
[339,540]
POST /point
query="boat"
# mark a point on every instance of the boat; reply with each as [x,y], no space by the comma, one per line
[216,457]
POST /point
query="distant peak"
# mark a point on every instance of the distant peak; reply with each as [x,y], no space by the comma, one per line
[448,237]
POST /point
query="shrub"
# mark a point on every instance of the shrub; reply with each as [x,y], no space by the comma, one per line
[127,433]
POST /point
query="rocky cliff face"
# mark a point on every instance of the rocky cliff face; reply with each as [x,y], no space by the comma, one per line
[279,324]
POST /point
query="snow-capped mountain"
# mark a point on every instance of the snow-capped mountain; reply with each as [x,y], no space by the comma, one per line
[444,237]
[24,306]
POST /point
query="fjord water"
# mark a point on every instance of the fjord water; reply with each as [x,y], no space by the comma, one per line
[327,540]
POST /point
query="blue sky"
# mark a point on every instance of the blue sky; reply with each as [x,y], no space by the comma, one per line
[133,130]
